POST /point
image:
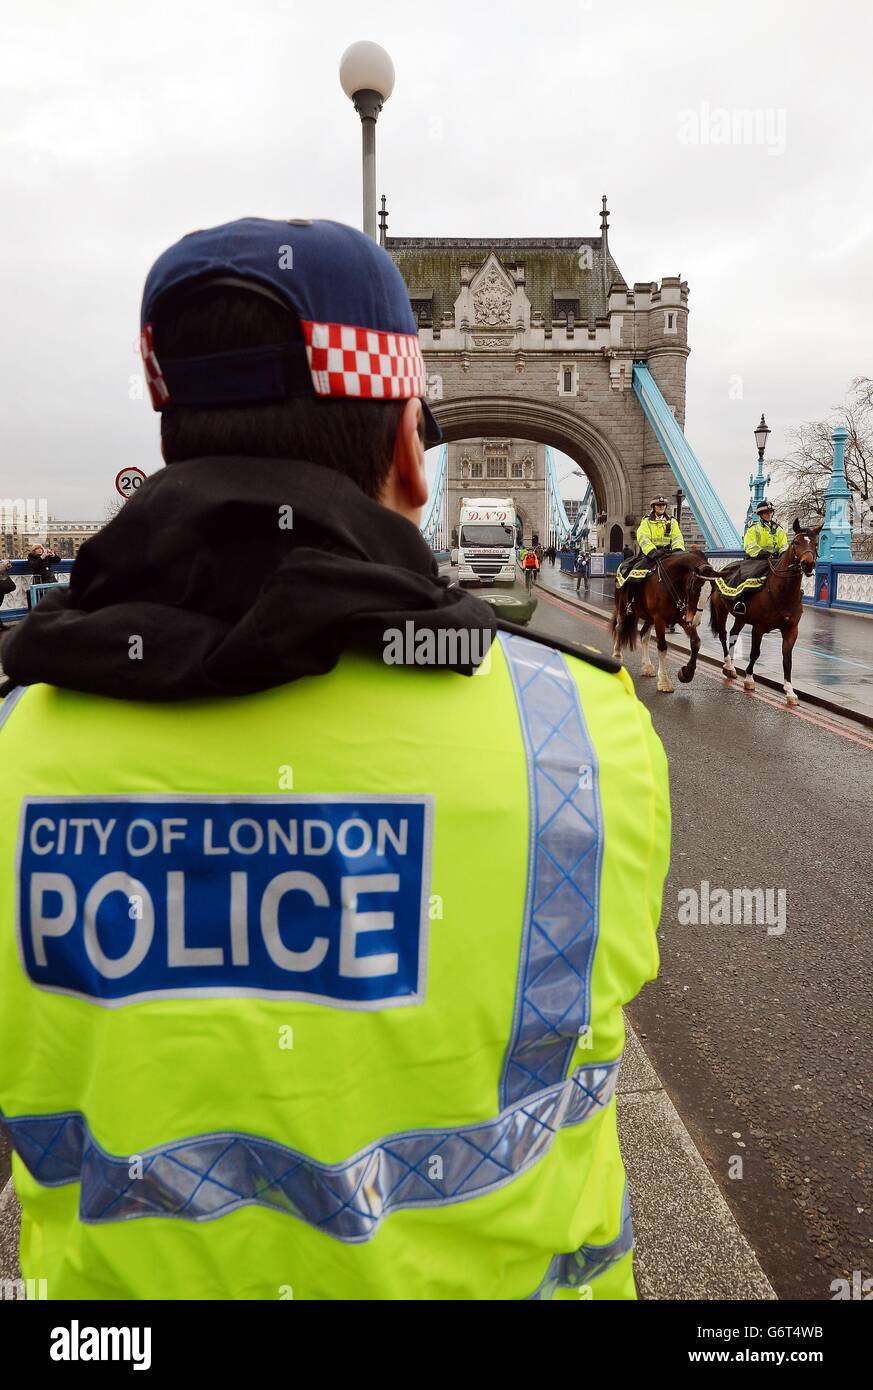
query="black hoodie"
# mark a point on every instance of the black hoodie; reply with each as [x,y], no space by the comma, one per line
[229,592]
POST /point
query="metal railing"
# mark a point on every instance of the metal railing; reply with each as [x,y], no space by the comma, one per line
[15,605]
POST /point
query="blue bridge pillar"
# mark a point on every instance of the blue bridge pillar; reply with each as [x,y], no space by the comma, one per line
[835,541]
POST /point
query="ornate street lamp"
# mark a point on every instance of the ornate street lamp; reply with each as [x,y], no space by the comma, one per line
[367,77]
[758,485]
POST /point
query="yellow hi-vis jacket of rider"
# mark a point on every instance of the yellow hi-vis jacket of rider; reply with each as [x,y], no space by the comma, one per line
[761,539]
[317,993]
[656,533]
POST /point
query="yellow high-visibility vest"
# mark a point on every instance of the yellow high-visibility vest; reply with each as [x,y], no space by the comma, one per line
[656,532]
[764,540]
[317,993]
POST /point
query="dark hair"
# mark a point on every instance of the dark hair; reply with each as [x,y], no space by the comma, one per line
[355,437]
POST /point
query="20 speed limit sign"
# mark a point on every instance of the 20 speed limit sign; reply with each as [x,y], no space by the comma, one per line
[128,480]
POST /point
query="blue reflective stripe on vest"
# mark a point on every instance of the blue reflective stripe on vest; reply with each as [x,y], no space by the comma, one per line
[589,1261]
[9,702]
[209,1175]
[565,852]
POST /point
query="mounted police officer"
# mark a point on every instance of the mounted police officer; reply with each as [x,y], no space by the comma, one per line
[292,923]
[763,542]
[657,534]
[765,537]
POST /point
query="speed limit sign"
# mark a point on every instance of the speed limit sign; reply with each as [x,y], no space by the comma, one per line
[128,480]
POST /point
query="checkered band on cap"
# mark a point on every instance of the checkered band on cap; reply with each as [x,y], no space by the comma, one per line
[349,361]
[158,389]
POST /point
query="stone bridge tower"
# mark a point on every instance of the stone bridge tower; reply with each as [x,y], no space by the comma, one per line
[534,339]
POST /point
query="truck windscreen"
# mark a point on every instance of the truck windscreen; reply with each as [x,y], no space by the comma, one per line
[493,534]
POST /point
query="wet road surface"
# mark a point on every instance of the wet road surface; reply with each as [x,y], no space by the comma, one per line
[764,1039]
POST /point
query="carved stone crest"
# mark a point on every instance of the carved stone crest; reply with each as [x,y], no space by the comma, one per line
[492,298]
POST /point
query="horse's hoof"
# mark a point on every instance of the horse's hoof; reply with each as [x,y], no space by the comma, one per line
[729,672]
[647,670]
[665,687]
[685,675]
[791,700]
[749,683]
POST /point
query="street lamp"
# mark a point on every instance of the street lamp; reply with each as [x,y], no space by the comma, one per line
[761,434]
[758,485]
[366,74]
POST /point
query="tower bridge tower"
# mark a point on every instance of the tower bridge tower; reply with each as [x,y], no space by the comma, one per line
[535,339]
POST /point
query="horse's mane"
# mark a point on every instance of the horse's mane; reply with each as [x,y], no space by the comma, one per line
[685,559]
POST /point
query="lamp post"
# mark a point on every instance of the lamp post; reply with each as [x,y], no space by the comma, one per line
[367,77]
[835,540]
[758,485]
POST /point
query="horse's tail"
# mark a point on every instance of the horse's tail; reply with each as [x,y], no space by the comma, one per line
[624,623]
[713,612]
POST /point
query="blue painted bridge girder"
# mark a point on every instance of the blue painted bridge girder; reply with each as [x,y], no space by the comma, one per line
[719,532]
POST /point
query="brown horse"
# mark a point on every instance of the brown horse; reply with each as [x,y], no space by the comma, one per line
[669,595]
[777,604]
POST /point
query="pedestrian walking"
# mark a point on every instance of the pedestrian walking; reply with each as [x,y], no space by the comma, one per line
[582,569]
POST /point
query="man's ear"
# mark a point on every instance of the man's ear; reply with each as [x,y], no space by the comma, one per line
[406,488]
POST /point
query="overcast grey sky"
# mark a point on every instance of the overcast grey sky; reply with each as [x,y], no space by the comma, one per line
[124,126]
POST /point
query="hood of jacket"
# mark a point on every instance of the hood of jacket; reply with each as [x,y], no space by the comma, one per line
[223,576]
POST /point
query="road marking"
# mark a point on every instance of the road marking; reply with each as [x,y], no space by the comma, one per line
[794,711]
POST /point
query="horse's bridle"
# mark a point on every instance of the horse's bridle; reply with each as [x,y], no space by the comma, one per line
[665,580]
[794,564]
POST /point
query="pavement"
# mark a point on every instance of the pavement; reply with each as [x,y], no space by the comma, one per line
[688,1243]
[833,656]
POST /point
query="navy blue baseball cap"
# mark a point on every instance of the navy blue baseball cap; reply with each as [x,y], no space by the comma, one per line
[359,335]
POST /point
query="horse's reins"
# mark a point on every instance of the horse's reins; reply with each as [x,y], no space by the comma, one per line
[665,580]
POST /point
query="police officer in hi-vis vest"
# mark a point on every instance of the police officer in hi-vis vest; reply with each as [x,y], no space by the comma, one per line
[765,540]
[315,926]
[658,533]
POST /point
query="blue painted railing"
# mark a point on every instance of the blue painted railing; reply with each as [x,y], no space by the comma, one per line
[843,584]
[15,605]
[719,532]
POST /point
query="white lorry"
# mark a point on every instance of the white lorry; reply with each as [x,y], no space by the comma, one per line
[486,541]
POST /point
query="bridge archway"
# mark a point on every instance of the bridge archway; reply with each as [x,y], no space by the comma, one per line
[514,417]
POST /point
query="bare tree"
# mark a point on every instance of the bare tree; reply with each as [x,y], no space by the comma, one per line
[803,474]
